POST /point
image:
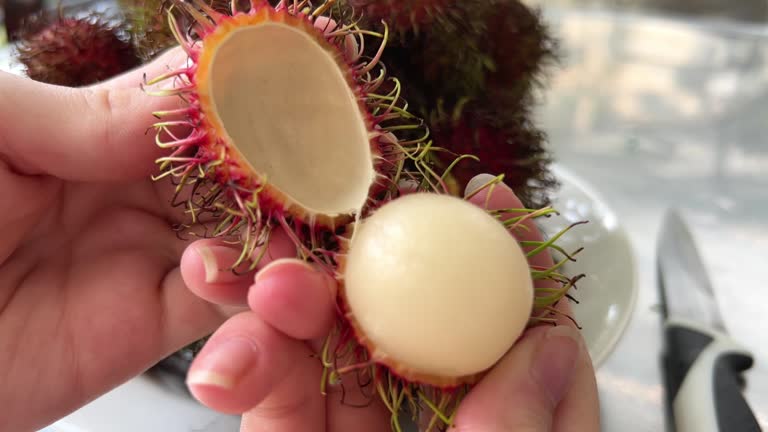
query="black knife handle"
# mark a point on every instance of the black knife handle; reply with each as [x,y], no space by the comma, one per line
[703,380]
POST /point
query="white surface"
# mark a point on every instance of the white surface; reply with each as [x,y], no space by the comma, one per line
[608,293]
[7,63]
[144,404]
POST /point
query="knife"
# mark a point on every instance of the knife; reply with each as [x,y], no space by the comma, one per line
[702,365]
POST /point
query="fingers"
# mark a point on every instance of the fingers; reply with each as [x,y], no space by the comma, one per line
[259,362]
[95,133]
[356,409]
[206,268]
[579,408]
[299,301]
[499,196]
[248,364]
[294,303]
[523,392]
[483,192]
[579,411]
[295,298]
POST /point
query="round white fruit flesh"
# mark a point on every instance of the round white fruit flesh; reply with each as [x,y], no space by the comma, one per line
[285,103]
[437,287]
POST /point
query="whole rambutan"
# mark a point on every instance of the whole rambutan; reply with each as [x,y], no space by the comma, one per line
[74,51]
[504,145]
[482,59]
[523,51]
[473,48]
[404,16]
[147,26]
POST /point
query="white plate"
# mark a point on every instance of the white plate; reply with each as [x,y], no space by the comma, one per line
[147,405]
[607,297]
[608,293]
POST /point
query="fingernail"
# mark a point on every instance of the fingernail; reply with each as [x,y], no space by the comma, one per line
[225,365]
[210,264]
[271,273]
[477,182]
[554,361]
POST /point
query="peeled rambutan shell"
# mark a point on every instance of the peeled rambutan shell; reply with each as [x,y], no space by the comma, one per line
[436,288]
[278,116]
[292,119]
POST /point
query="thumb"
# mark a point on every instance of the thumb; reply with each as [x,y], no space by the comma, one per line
[522,392]
[94,133]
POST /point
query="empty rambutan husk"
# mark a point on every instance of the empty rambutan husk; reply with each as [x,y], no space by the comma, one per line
[261,122]
[288,123]
[74,51]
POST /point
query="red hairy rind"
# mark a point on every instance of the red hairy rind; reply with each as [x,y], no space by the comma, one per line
[508,146]
[242,199]
[481,63]
[74,51]
[235,169]
[402,15]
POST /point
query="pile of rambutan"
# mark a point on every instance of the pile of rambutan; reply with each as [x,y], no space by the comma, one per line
[354,126]
[473,69]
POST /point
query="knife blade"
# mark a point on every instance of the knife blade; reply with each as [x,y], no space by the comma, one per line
[702,365]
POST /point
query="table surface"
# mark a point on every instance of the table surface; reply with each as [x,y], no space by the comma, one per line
[657,112]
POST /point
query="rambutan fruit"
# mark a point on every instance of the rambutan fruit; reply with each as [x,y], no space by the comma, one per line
[474,49]
[74,51]
[476,270]
[523,51]
[288,123]
[482,62]
[508,145]
[434,290]
[401,15]
[147,26]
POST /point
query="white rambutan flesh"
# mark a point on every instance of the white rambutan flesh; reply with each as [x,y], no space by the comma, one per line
[436,288]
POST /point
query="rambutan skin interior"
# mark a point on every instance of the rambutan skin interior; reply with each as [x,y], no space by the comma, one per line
[286,106]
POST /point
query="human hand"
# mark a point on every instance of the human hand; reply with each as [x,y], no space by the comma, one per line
[90,288]
[260,362]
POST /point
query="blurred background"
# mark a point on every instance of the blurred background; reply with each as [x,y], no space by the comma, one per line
[743,10]
[662,103]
